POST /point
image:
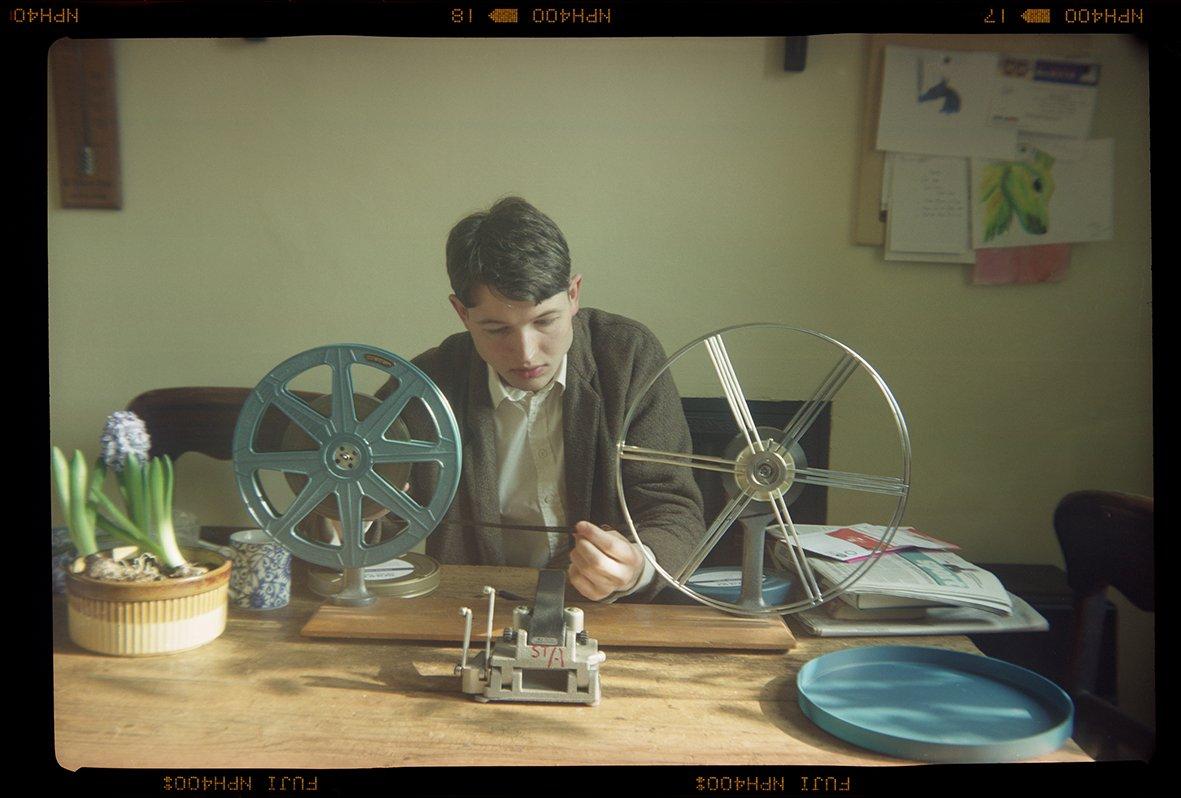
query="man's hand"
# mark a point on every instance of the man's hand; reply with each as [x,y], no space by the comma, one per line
[602,562]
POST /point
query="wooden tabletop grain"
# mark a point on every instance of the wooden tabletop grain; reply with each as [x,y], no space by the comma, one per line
[264,696]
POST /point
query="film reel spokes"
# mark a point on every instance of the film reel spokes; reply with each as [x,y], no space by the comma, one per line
[764,468]
[350,459]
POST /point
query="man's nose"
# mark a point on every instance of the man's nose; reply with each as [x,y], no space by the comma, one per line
[526,346]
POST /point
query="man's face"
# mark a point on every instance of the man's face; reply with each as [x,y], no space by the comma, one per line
[523,342]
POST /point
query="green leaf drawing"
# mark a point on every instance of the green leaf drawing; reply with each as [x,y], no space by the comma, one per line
[998,213]
[1017,188]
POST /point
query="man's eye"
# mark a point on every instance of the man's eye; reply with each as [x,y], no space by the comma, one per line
[544,322]
[497,331]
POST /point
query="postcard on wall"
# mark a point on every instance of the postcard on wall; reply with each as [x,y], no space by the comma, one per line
[1045,95]
[928,209]
[940,103]
[1039,199]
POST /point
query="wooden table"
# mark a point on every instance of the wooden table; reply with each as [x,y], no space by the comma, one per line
[263,696]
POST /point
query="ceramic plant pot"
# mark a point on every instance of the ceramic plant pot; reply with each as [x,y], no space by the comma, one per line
[134,619]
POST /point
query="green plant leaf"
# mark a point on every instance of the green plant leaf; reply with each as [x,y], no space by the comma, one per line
[108,510]
[60,471]
[168,483]
[97,475]
[81,518]
[160,473]
[129,536]
[134,479]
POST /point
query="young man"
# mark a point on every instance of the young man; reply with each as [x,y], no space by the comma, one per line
[540,388]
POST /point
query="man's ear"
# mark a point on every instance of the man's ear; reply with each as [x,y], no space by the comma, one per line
[572,292]
[460,308]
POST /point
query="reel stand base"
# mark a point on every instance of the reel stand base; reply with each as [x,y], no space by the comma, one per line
[353,593]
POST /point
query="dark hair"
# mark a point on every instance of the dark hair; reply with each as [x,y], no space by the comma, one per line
[512,248]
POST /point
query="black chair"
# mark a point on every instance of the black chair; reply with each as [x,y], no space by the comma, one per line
[1107,540]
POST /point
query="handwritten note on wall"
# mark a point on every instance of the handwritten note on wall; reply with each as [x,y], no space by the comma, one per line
[929,205]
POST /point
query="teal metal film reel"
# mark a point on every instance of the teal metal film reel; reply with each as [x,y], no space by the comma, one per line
[344,459]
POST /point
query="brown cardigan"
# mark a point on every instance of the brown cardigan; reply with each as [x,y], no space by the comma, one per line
[610,361]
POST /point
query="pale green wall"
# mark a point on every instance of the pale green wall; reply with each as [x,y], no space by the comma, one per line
[297,192]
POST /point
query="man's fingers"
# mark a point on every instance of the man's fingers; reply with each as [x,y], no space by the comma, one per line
[590,560]
[608,541]
[583,584]
[602,561]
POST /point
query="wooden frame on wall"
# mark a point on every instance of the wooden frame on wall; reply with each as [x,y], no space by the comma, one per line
[86,122]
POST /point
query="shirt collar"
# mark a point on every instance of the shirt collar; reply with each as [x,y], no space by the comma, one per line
[498,391]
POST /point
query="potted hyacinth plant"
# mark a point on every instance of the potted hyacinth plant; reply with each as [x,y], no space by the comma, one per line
[148,596]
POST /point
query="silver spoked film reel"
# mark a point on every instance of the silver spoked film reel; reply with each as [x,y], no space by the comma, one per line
[348,458]
[764,470]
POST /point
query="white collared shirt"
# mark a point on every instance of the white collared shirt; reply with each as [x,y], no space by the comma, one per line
[531,471]
[530,467]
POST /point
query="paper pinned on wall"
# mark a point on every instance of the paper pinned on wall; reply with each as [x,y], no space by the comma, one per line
[940,103]
[1046,95]
[928,210]
[1040,199]
[929,257]
[1061,147]
[887,179]
[1021,265]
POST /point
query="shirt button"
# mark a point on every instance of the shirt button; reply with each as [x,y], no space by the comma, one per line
[547,499]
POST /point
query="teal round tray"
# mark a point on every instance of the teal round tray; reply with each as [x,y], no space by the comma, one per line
[934,705]
[724,583]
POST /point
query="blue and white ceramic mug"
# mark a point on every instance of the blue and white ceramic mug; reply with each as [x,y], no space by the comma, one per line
[261,576]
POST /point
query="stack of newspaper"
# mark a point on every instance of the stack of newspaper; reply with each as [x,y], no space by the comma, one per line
[917,587]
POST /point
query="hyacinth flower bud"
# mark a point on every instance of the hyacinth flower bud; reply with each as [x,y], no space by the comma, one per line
[124,436]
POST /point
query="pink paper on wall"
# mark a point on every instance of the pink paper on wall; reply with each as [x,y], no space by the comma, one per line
[1041,264]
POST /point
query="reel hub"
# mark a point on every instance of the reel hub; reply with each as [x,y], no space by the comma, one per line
[350,457]
[767,474]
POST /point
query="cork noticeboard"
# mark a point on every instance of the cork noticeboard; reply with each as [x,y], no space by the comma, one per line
[869,221]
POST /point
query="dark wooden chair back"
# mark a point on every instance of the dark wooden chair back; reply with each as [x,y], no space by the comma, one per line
[181,420]
[1107,541]
[200,419]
